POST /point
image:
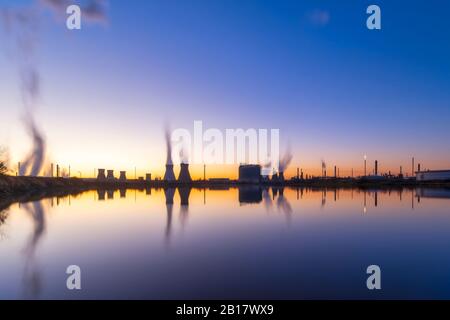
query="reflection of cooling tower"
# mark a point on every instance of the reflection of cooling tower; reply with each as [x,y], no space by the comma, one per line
[110,174]
[184,195]
[101,194]
[123,193]
[123,175]
[184,173]
[169,193]
[169,175]
[110,194]
[101,174]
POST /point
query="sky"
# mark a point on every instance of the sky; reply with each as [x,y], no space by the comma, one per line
[312,69]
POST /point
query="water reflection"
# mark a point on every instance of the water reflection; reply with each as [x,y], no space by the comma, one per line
[240,224]
[32,273]
[184,193]
[3,217]
[169,194]
[284,206]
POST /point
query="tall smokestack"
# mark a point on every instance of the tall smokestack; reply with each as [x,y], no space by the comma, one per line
[335,172]
[376,167]
[418,167]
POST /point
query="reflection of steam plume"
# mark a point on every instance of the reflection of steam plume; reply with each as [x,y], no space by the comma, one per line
[283,205]
[3,217]
[266,198]
[32,277]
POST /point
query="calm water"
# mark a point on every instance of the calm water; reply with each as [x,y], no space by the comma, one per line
[248,243]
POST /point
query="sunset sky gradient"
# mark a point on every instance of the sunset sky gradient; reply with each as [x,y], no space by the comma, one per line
[335,89]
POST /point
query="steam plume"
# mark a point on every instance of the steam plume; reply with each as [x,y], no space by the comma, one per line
[22,26]
[169,147]
[35,159]
[285,160]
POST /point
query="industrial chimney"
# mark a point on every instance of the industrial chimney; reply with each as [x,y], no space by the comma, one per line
[110,175]
[184,176]
[100,176]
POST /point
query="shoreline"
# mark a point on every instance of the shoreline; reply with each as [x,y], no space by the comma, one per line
[10,185]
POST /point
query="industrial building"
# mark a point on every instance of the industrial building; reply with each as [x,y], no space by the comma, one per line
[250,173]
[433,175]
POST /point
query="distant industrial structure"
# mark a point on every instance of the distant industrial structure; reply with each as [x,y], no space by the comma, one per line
[110,175]
[169,175]
[249,173]
[433,175]
[184,176]
[101,174]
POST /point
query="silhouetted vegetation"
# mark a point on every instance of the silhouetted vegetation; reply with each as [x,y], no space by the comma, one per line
[3,167]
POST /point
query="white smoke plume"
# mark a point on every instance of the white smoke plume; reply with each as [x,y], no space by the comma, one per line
[169,146]
[285,160]
[22,26]
[34,161]
[184,154]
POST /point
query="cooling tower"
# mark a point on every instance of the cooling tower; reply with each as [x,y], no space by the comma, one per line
[123,175]
[101,174]
[169,175]
[148,177]
[281,176]
[184,176]
[275,177]
[110,175]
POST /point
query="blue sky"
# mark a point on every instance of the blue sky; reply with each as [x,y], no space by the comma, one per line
[334,88]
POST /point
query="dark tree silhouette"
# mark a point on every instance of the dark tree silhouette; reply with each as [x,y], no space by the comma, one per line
[3,167]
